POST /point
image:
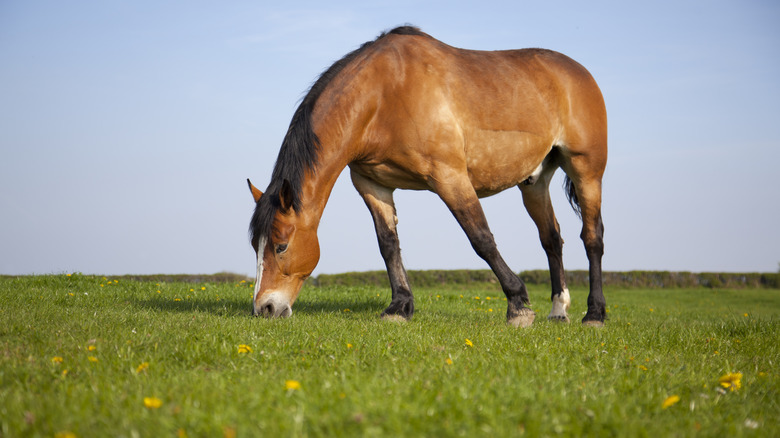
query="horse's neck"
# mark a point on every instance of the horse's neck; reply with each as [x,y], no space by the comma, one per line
[319,182]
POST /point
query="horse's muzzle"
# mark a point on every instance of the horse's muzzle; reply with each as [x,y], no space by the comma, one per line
[273,306]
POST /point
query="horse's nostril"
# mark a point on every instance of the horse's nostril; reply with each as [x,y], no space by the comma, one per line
[268,310]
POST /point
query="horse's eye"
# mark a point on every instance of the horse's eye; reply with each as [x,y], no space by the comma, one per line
[281,248]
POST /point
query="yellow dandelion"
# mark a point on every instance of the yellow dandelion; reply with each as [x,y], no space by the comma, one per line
[671,400]
[642,367]
[91,348]
[652,310]
[349,346]
[731,381]
[449,361]
[203,288]
[228,432]
[152,402]
[64,373]
[745,315]
[469,343]
[92,359]
[177,299]
[71,294]
[65,434]
[243,348]
[141,368]
[56,359]
[292,385]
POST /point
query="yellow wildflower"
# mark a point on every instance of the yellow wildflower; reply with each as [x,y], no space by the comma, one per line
[672,399]
[469,343]
[243,348]
[292,385]
[56,359]
[642,367]
[152,402]
[91,348]
[349,346]
[449,361]
[141,368]
[92,359]
[732,381]
[65,434]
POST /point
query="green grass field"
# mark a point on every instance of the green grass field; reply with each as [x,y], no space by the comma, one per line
[92,356]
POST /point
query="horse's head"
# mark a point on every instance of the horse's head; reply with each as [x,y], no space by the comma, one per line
[287,252]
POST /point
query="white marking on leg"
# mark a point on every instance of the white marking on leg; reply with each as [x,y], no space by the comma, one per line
[560,304]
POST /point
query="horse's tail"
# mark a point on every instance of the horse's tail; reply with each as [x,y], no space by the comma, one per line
[571,194]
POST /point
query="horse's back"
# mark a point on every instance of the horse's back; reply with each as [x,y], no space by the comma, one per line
[494,114]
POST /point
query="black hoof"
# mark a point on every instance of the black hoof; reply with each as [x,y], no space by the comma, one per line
[399,309]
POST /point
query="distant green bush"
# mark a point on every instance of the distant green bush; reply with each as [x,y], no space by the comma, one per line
[627,279]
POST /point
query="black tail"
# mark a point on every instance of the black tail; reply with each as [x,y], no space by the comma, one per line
[571,194]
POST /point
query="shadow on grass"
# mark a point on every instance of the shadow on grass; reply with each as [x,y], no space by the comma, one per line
[234,307]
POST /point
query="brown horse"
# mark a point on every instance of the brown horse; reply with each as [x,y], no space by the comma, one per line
[407,111]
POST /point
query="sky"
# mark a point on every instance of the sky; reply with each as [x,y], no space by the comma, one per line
[128,129]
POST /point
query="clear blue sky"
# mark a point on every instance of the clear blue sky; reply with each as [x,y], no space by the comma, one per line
[128,128]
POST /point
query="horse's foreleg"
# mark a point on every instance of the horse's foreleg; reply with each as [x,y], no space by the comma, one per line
[536,199]
[464,204]
[379,200]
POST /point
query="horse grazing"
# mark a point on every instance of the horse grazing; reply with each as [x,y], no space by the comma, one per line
[407,111]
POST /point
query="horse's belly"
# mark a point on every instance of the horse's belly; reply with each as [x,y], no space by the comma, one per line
[503,159]
[390,175]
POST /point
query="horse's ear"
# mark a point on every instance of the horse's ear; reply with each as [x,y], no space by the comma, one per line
[286,196]
[256,193]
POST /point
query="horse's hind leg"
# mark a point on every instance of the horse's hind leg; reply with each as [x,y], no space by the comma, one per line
[586,177]
[379,200]
[536,198]
[464,204]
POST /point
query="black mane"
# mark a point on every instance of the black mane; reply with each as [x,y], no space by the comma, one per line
[300,147]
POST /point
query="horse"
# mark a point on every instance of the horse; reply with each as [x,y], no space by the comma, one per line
[406,111]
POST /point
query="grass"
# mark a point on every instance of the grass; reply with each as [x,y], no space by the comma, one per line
[81,354]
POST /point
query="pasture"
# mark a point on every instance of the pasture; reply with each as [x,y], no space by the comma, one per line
[94,356]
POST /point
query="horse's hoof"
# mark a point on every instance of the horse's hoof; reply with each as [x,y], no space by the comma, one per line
[593,323]
[559,318]
[394,317]
[524,318]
